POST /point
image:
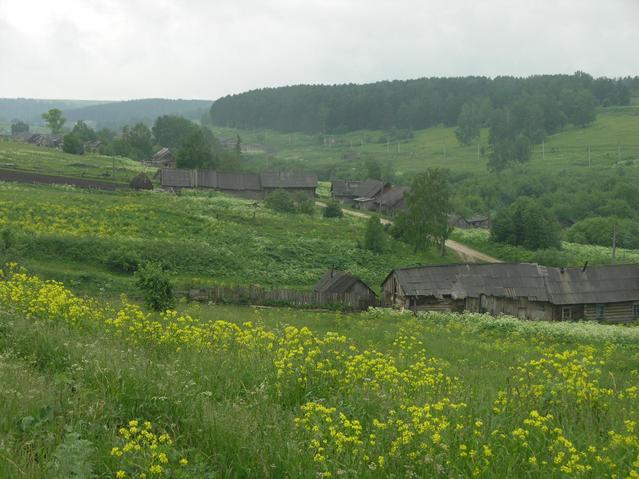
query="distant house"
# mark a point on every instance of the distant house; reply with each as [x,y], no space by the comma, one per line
[340,282]
[39,139]
[164,158]
[527,291]
[344,191]
[475,221]
[393,200]
[360,194]
[247,185]
[293,182]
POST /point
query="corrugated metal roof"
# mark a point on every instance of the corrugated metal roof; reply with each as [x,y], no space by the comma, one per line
[288,179]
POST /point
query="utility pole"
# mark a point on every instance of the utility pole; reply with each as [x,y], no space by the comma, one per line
[614,242]
[387,146]
[444,151]
[398,147]
[478,151]
[113,169]
[589,162]
[618,153]
[543,150]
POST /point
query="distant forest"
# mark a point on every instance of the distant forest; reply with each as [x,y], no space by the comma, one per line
[416,104]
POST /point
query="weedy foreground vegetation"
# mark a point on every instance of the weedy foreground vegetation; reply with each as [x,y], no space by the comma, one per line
[98,390]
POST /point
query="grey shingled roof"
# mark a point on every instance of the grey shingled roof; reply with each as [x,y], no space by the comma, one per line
[368,189]
[162,155]
[343,188]
[471,280]
[238,181]
[288,179]
[394,195]
[597,284]
[335,281]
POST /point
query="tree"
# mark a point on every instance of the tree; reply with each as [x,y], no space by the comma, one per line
[156,287]
[84,132]
[72,143]
[468,124]
[171,131]
[54,120]
[374,236]
[18,126]
[333,210]
[196,151]
[280,201]
[140,141]
[526,223]
[428,205]
[373,169]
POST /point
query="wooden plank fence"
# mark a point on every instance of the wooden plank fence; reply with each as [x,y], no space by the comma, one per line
[280,297]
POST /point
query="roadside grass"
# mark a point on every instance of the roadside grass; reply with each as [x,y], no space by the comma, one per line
[270,392]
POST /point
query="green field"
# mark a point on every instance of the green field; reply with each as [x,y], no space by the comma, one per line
[613,138]
[106,390]
[49,161]
[95,239]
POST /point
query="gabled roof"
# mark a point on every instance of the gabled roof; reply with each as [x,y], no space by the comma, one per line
[288,179]
[394,195]
[163,155]
[238,181]
[368,189]
[472,280]
[344,188]
[335,281]
[595,284]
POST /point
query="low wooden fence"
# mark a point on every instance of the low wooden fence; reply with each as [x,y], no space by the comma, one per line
[280,297]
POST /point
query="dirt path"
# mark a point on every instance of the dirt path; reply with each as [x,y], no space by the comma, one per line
[30,177]
[465,253]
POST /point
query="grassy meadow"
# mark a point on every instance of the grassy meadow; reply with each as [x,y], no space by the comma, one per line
[109,391]
[570,254]
[50,161]
[612,139]
[95,239]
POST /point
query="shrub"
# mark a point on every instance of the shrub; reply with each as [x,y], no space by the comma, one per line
[156,287]
[305,205]
[374,237]
[281,201]
[333,210]
[72,143]
[526,223]
[141,182]
[123,260]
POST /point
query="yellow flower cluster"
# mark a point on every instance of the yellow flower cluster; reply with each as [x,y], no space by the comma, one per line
[142,453]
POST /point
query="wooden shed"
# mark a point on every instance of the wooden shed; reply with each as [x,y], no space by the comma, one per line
[291,181]
[340,282]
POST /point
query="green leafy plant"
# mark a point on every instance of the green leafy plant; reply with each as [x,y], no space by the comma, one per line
[156,287]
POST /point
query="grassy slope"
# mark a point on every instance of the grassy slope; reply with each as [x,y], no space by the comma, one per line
[232,413]
[205,238]
[437,147]
[55,162]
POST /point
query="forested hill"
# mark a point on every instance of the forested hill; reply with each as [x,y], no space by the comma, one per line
[112,114]
[417,104]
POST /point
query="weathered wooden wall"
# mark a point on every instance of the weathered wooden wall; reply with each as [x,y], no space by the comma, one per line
[290,297]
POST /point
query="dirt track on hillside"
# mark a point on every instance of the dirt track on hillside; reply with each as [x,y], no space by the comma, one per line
[465,253]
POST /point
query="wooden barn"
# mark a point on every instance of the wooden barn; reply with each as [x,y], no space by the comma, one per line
[393,200]
[245,185]
[361,194]
[340,282]
[164,158]
[293,182]
[527,291]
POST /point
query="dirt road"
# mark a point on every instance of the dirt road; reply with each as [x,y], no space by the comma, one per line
[465,253]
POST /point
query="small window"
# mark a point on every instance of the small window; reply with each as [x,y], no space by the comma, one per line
[635,310]
[566,313]
[600,311]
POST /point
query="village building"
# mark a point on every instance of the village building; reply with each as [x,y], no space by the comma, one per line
[340,282]
[293,182]
[475,221]
[246,185]
[359,194]
[164,158]
[393,201]
[526,291]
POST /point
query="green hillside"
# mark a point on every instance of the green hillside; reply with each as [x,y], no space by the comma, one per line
[95,239]
[613,137]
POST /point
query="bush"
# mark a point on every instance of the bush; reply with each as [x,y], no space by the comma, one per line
[123,261]
[72,143]
[156,287]
[280,201]
[141,182]
[305,205]
[333,210]
[526,223]
[374,237]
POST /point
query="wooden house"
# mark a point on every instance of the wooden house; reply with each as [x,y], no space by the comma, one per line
[340,282]
[526,291]
[475,221]
[164,158]
[393,200]
[344,191]
[291,181]
[368,194]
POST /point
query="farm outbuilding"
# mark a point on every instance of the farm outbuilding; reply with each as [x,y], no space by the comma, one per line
[291,181]
[245,185]
[164,158]
[340,282]
[475,221]
[527,291]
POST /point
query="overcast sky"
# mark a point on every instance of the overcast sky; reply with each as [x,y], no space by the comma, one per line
[122,49]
